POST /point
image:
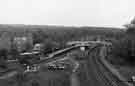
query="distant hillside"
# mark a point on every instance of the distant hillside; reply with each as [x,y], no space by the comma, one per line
[62,31]
[21,27]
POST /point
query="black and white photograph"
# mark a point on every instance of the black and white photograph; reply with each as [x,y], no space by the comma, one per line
[67,43]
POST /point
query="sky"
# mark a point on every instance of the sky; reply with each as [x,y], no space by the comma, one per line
[105,13]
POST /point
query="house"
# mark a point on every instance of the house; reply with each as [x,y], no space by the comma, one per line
[23,43]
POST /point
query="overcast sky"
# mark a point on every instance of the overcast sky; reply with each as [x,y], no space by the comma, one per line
[67,12]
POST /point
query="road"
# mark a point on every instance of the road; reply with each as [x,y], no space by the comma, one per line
[92,72]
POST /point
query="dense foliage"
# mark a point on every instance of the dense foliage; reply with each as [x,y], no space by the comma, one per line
[52,37]
[123,51]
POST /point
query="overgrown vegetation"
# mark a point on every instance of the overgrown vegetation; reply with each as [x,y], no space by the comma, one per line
[123,50]
[53,37]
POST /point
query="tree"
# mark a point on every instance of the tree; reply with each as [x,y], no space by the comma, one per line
[125,47]
[14,53]
[50,46]
[39,36]
[3,58]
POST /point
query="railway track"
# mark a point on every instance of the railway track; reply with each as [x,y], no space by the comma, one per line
[98,73]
